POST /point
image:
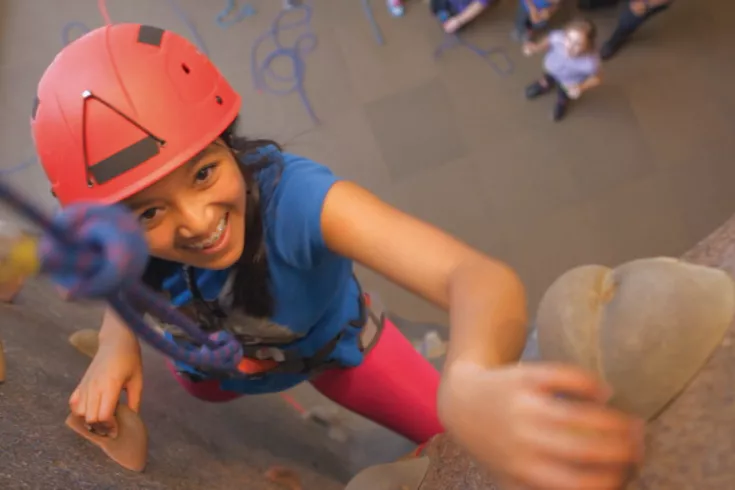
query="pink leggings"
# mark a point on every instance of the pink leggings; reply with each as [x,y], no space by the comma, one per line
[394,387]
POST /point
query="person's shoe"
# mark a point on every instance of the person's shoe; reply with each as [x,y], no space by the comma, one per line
[535,89]
[559,112]
[609,50]
[395,7]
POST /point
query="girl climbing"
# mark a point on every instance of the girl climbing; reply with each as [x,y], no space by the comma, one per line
[571,64]
[454,14]
[533,16]
[259,242]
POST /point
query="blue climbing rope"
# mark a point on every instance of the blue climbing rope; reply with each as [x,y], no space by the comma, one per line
[28,162]
[69,27]
[373,23]
[100,252]
[304,44]
[488,55]
[226,18]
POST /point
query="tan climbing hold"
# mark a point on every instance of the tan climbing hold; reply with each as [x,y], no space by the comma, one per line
[406,474]
[284,477]
[129,448]
[85,341]
[646,327]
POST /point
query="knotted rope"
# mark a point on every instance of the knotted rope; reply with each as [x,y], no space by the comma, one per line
[101,253]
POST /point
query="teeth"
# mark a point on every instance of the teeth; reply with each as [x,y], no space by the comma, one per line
[213,238]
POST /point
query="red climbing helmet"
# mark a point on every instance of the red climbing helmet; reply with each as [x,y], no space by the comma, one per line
[123,106]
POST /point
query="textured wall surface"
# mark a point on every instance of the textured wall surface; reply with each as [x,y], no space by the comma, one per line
[641,167]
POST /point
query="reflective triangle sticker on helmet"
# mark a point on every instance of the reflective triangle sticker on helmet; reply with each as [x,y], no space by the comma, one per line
[100,113]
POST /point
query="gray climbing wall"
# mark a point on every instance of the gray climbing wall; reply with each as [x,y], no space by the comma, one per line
[642,166]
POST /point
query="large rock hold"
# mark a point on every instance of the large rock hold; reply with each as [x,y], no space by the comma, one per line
[646,327]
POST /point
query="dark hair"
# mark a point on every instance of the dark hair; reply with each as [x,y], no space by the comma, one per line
[251,289]
[588,28]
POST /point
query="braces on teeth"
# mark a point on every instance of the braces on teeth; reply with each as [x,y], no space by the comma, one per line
[212,239]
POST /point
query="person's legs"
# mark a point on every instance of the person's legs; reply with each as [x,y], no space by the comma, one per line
[561,104]
[628,23]
[522,29]
[442,9]
[207,390]
[394,387]
[540,87]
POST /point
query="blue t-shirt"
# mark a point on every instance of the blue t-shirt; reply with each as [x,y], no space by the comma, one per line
[315,293]
[540,5]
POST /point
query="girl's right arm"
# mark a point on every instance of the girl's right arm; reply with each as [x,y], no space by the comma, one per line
[116,366]
[531,48]
[114,331]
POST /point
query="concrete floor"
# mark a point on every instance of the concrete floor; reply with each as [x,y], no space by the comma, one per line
[642,166]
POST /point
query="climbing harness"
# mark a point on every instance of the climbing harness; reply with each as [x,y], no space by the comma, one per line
[269,358]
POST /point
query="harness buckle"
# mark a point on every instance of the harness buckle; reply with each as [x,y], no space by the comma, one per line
[252,366]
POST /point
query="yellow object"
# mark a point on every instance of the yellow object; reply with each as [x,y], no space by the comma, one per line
[21,260]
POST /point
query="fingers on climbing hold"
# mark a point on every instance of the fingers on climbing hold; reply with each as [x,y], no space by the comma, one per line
[129,449]
[85,341]
[102,429]
[281,475]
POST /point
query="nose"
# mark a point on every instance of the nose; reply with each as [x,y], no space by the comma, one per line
[194,220]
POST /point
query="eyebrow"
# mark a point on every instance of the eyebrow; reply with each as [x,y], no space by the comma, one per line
[200,156]
[196,159]
[137,204]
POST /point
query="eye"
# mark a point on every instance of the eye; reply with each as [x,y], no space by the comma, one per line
[148,215]
[205,173]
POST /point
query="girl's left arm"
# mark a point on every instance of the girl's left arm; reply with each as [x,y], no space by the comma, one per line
[471,12]
[485,298]
[591,82]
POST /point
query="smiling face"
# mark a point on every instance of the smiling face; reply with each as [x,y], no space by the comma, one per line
[576,42]
[196,214]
